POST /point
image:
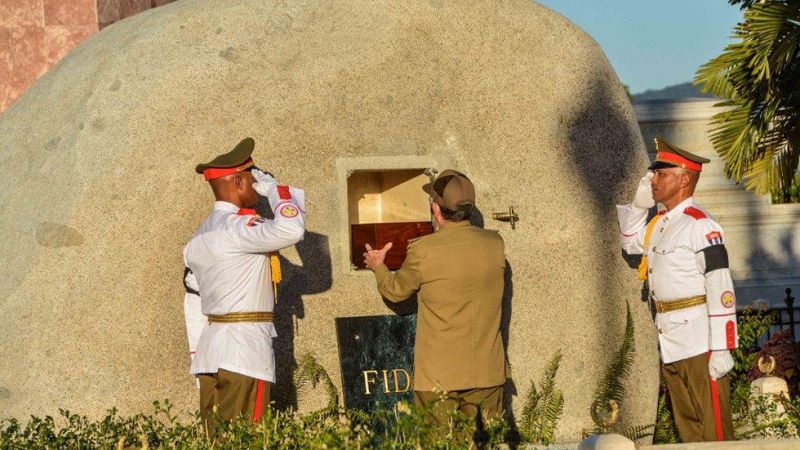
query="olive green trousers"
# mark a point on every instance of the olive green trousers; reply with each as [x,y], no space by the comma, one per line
[693,403]
[441,404]
[233,394]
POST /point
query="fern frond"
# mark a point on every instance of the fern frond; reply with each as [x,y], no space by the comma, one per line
[639,432]
[612,385]
[310,371]
[543,406]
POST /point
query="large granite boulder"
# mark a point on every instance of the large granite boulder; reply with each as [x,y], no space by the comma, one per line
[99,195]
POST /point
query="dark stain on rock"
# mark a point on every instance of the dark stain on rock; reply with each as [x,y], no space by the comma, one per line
[81,126]
[115,86]
[229,54]
[5,394]
[52,144]
[55,235]
[98,124]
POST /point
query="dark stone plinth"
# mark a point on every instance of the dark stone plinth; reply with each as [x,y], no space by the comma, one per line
[376,354]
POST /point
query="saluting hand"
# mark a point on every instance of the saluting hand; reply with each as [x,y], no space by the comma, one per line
[643,198]
[264,182]
[374,258]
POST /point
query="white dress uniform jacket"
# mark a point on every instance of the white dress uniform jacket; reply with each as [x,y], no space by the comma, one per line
[686,257]
[229,272]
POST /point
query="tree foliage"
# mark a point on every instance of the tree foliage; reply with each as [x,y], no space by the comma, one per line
[757,134]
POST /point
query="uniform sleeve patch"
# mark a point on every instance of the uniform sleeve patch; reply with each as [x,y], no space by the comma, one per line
[727,299]
[284,193]
[714,238]
[288,211]
[694,212]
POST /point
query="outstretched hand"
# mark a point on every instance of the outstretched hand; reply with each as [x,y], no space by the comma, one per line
[374,258]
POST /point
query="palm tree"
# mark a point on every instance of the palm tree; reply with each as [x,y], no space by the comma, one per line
[757,134]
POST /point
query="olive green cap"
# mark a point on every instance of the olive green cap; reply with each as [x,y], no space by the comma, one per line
[668,155]
[238,158]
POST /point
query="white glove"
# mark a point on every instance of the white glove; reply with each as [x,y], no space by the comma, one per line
[644,194]
[196,378]
[720,364]
[264,182]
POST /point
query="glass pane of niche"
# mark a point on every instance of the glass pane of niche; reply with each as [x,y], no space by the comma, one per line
[386,206]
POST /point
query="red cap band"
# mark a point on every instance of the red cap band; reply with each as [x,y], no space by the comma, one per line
[678,160]
[218,172]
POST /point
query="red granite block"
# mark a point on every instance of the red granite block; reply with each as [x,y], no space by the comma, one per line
[5,69]
[21,13]
[71,12]
[25,61]
[59,40]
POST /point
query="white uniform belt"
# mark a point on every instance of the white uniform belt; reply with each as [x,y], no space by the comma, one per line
[258,316]
[681,303]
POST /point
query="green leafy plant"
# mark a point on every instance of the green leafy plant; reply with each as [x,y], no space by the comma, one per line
[611,389]
[309,371]
[402,428]
[665,431]
[751,326]
[543,407]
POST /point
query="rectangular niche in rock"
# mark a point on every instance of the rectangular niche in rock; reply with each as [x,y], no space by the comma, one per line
[386,206]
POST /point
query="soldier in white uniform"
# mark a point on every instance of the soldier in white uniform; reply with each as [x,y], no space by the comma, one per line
[229,297]
[685,264]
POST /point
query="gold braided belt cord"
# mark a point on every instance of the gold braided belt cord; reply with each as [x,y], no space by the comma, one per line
[241,317]
[681,303]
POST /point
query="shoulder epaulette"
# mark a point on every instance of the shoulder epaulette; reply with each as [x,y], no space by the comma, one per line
[694,212]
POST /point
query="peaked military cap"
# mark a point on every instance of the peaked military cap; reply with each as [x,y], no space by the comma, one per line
[236,160]
[668,155]
[451,189]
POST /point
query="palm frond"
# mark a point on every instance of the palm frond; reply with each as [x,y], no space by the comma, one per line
[757,76]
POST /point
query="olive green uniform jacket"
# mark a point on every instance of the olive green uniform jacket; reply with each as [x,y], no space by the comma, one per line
[457,273]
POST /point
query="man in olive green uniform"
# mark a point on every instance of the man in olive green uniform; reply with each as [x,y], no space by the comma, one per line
[457,274]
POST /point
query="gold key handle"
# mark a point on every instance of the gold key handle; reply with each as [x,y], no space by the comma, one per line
[509,216]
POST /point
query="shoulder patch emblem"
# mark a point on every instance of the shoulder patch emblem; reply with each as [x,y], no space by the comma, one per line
[714,238]
[728,299]
[694,212]
[284,193]
[288,211]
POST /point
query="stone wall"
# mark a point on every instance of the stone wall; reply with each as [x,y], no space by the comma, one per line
[36,34]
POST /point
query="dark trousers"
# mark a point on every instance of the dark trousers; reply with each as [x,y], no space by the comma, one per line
[233,394]
[692,401]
